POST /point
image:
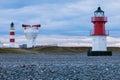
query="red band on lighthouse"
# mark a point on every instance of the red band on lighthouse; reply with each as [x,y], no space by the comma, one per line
[12,40]
[99,26]
[12,33]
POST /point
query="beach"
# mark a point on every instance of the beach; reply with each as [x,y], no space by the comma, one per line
[59,66]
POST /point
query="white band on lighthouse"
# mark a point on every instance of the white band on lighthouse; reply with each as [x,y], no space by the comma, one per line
[99,43]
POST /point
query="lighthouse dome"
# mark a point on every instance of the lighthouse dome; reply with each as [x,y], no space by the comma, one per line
[99,12]
[12,24]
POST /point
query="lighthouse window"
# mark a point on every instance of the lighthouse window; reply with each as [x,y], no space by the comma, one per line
[99,14]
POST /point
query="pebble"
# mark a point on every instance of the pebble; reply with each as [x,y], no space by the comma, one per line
[59,67]
[60,72]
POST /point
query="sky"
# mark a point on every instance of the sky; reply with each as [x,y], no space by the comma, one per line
[63,22]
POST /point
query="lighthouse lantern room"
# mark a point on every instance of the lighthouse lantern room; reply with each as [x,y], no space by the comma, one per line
[99,34]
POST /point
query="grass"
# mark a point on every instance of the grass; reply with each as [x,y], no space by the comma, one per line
[52,49]
[59,49]
[114,49]
[11,50]
[68,49]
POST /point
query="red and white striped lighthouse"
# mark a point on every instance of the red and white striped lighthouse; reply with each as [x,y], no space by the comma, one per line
[99,34]
[12,35]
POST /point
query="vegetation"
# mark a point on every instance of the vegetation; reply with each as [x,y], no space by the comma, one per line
[114,49]
[12,50]
[68,49]
[59,49]
[52,49]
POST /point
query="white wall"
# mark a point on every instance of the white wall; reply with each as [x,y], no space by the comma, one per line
[99,43]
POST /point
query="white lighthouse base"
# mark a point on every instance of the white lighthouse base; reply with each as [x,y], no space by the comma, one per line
[99,47]
[99,43]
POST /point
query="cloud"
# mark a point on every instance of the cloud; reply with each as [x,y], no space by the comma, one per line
[54,16]
[62,17]
[60,40]
[73,40]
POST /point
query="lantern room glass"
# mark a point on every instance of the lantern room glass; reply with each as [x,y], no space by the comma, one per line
[99,12]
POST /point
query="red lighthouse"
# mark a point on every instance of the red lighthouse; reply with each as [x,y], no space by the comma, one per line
[12,35]
[99,34]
